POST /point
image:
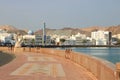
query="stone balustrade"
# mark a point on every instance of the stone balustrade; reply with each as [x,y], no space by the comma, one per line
[103,70]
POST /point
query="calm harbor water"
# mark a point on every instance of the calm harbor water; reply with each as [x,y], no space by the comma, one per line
[110,54]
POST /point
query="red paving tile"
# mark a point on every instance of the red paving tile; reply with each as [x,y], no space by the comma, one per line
[34,66]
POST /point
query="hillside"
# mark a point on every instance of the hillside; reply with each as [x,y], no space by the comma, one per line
[93,28]
[8,28]
[114,29]
[12,29]
[65,31]
[87,30]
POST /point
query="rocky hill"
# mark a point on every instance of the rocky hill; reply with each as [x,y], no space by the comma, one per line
[114,29]
[65,31]
[12,29]
[93,28]
[8,27]
[87,30]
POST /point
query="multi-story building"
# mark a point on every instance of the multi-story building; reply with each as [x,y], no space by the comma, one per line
[101,37]
[78,41]
[29,40]
[48,40]
[36,40]
[70,40]
[78,38]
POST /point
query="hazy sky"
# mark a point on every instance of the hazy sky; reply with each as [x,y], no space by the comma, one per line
[30,14]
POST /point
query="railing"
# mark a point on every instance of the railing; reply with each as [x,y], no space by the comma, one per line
[101,69]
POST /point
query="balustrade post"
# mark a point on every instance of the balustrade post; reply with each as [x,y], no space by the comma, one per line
[29,49]
[23,49]
[117,71]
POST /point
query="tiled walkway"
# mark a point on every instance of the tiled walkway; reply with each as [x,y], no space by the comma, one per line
[36,66]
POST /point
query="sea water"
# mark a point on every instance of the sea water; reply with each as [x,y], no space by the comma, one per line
[111,54]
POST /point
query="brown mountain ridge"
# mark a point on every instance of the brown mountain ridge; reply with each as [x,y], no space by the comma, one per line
[65,31]
[12,29]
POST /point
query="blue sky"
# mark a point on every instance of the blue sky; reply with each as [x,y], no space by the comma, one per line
[30,14]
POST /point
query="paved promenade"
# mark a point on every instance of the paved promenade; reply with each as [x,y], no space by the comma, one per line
[36,66]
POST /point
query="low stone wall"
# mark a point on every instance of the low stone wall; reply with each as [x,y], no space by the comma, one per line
[103,70]
[7,49]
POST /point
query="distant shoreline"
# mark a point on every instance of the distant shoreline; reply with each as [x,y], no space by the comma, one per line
[5,58]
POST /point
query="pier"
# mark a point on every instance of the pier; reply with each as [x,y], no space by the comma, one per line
[52,64]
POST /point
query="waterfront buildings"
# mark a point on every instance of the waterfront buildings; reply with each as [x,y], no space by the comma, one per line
[35,40]
[38,40]
[28,40]
[101,37]
[97,38]
[77,39]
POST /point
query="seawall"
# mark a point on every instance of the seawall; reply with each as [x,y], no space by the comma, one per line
[102,70]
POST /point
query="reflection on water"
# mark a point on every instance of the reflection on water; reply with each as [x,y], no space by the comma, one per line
[110,54]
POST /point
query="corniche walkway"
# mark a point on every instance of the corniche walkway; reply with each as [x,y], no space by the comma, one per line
[39,66]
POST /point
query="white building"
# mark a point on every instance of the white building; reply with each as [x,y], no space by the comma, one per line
[78,38]
[48,40]
[116,36]
[5,37]
[78,35]
[28,36]
[78,41]
[101,37]
[36,40]
[70,40]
